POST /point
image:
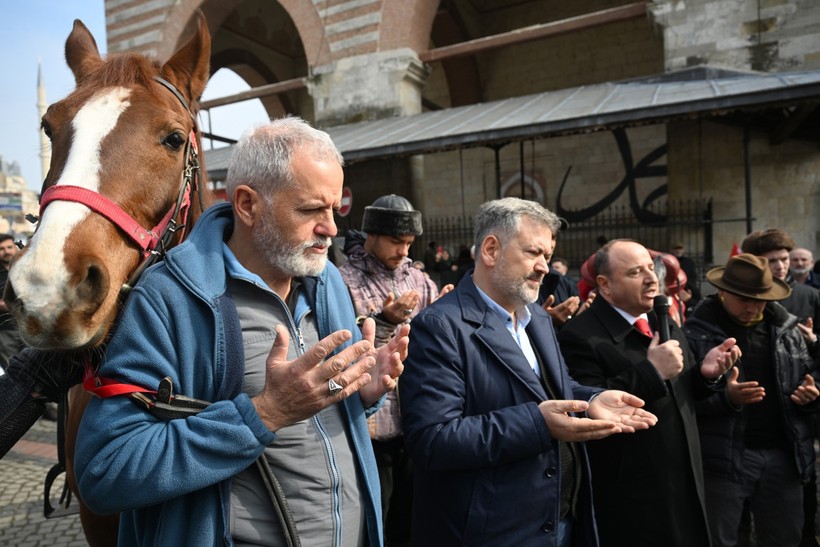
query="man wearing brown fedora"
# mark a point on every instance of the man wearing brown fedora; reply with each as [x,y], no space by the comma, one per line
[757,434]
[775,245]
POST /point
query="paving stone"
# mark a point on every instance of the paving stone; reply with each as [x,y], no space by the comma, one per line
[22,476]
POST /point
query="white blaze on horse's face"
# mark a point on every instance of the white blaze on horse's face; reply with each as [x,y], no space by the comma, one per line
[93,122]
[37,277]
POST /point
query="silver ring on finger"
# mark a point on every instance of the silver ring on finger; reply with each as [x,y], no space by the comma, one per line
[334,387]
[408,311]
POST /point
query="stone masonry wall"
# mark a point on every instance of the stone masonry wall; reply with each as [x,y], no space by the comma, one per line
[761,35]
[708,162]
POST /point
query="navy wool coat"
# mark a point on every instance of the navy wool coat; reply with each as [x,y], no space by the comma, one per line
[486,468]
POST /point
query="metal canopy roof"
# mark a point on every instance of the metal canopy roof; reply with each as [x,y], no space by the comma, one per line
[691,93]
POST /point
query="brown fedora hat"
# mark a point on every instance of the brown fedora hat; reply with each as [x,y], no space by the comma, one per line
[748,275]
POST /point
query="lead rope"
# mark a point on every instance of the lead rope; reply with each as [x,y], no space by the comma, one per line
[280,502]
[62,509]
[235,362]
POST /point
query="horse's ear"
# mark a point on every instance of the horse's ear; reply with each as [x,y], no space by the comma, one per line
[191,63]
[81,51]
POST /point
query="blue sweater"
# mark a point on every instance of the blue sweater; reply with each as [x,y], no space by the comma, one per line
[171,479]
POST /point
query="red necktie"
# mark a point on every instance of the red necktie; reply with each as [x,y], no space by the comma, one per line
[642,326]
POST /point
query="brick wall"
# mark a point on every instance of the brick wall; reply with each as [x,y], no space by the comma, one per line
[705,160]
[137,26]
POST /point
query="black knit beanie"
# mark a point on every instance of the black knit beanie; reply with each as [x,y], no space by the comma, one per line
[391,216]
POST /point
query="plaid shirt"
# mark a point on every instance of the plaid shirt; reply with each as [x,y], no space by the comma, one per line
[369,283]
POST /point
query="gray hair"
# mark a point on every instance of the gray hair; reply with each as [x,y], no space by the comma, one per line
[502,218]
[262,157]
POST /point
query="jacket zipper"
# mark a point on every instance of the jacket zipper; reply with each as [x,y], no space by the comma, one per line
[335,486]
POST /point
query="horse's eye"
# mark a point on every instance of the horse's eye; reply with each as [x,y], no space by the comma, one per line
[46,129]
[174,141]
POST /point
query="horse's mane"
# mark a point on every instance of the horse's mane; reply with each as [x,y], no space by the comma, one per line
[123,69]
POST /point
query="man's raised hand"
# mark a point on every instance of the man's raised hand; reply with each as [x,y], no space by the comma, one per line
[389,362]
[565,427]
[720,359]
[623,408]
[743,393]
[296,390]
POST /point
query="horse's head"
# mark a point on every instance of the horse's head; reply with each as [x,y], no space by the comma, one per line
[120,148]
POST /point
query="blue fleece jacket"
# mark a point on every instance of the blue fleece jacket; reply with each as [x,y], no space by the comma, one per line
[171,479]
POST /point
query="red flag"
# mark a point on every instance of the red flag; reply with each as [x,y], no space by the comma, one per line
[735,250]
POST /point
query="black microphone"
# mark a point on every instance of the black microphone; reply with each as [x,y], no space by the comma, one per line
[661,307]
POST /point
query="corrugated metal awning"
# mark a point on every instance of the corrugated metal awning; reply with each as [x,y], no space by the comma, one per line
[686,94]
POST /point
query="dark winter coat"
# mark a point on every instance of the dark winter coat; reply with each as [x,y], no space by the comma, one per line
[722,424]
[647,486]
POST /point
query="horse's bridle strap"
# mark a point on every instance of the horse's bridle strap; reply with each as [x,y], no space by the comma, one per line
[160,402]
[104,387]
[144,239]
[172,88]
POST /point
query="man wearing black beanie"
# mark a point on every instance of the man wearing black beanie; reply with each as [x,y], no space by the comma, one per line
[384,285]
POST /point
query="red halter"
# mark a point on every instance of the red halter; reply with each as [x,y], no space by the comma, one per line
[146,240]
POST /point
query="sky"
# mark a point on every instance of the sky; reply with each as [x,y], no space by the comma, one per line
[36,31]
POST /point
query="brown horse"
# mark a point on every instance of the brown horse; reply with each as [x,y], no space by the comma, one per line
[121,188]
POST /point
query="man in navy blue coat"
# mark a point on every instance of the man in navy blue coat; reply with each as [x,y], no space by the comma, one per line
[492,420]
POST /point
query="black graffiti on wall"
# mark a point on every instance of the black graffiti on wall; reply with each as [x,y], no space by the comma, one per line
[632,172]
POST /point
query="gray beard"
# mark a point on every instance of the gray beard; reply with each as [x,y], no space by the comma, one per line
[516,289]
[289,260]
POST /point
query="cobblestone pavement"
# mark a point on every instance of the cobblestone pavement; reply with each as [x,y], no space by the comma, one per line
[22,479]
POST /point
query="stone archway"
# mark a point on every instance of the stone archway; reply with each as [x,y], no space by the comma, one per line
[310,29]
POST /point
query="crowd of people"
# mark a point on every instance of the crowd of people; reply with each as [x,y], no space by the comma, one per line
[10,343]
[497,403]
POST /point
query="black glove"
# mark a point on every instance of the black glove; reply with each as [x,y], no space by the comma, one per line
[32,371]
[50,373]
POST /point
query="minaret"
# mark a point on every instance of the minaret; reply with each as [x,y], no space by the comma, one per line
[42,105]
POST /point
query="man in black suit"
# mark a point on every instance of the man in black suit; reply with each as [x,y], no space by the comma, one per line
[647,488]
